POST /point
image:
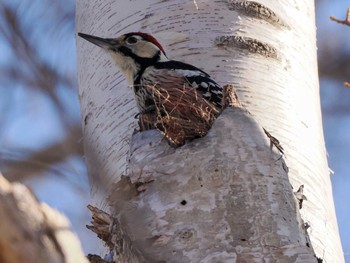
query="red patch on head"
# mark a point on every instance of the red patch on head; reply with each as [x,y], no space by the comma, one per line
[148,38]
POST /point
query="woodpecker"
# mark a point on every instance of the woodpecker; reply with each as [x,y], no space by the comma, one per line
[144,63]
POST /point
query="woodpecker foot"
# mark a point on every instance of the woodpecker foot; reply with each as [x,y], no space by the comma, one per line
[150,109]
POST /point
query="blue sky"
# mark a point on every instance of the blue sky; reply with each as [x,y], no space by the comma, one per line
[332,37]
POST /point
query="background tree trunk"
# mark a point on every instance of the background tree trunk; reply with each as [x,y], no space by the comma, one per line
[31,231]
[267,50]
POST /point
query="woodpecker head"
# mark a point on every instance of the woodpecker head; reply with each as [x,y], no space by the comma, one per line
[131,52]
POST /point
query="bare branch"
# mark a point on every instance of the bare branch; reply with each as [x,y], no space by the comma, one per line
[30,69]
[346,21]
[44,159]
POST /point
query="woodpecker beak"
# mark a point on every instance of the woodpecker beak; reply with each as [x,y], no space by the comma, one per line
[105,43]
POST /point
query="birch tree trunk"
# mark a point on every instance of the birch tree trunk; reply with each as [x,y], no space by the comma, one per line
[267,49]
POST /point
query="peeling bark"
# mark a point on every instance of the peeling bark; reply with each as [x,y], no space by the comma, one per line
[208,201]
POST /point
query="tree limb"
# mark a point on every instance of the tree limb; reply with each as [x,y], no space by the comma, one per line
[32,232]
[346,21]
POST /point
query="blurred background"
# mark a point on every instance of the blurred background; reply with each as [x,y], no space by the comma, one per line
[40,131]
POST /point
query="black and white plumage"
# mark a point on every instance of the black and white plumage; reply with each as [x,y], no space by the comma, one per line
[144,62]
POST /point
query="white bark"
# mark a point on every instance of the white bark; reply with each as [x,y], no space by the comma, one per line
[271,60]
[231,202]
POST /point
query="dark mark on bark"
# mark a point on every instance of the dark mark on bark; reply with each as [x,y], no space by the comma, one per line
[257,10]
[250,44]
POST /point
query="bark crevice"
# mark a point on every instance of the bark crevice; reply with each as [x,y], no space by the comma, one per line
[246,43]
[257,10]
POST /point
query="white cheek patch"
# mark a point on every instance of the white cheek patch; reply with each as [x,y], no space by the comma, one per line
[145,50]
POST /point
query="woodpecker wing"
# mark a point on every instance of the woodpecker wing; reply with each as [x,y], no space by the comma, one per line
[179,73]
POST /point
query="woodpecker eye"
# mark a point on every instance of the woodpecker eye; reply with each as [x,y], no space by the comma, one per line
[131,40]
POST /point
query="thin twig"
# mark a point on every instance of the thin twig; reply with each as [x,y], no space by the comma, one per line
[346,21]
